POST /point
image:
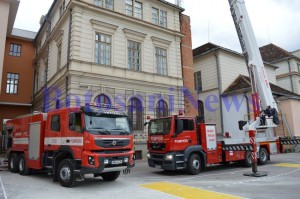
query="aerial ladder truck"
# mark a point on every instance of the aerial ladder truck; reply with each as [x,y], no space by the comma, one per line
[182,143]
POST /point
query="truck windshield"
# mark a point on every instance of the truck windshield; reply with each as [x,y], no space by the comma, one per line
[105,124]
[160,126]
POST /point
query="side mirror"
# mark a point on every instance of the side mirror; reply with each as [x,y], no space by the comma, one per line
[72,121]
[179,126]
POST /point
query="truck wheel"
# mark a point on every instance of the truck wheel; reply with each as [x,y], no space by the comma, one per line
[262,156]
[110,176]
[194,164]
[23,169]
[66,174]
[13,163]
[247,161]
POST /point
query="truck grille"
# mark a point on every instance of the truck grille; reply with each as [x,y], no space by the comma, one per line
[157,146]
[112,143]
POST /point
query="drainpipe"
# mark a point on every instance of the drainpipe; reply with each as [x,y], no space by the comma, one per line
[290,75]
[216,54]
[68,56]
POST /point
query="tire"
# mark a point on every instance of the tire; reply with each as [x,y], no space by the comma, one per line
[23,169]
[247,162]
[66,174]
[194,164]
[13,163]
[262,156]
[110,176]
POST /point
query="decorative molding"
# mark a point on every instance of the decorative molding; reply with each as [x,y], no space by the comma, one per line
[134,35]
[161,42]
[58,36]
[103,26]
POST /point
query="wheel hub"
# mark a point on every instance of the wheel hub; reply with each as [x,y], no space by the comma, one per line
[196,164]
[65,173]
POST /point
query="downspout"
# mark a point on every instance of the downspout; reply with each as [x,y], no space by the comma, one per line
[47,63]
[68,58]
[216,54]
[290,75]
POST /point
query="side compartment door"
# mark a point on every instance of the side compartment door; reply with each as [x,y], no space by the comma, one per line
[34,140]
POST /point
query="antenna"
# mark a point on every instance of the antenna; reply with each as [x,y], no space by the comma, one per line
[269,34]
[208,31]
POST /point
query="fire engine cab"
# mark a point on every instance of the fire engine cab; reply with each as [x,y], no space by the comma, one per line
[70,142]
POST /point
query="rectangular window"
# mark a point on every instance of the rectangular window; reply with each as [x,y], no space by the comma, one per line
[129,7]
[198,81]
[134,55]
[138,12]
[55,123]
[15,50]
[163,19]
[12,82]
[188,125]
[155,16]
[109,4]
[62,8]
[58,56]
[134,8]
[103,49]
[98,3]
[76,124]
[161,61]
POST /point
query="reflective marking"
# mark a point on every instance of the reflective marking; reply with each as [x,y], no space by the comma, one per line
[20,141]
[287,165]
[187,192]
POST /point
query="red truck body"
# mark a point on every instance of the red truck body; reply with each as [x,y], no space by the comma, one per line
[68,143]
[189,145]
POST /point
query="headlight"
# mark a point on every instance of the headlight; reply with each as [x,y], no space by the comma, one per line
[91,160]
[105,161]
[168,157]
[125,159]
[148,155]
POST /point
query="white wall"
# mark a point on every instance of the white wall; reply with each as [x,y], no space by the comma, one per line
[4,12]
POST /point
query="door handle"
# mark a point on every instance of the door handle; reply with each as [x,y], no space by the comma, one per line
[67,141]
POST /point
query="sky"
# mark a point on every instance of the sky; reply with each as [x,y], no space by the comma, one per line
[273,21]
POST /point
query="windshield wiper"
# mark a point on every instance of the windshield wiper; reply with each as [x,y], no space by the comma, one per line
[122,133]
[105,132]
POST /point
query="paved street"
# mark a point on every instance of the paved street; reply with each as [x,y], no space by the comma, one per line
[144,182]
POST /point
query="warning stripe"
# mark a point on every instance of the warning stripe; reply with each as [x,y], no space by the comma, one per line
[287,165]
[187,192]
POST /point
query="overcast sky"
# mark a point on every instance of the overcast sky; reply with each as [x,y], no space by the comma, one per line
[274,21]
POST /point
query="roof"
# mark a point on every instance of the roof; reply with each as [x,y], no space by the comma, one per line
[23,34]
[172,5]
[13,9]
[272,53]
[243,84]
[209,47]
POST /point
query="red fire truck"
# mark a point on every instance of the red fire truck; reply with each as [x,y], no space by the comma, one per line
[182,143]
[177,142]
[70,142]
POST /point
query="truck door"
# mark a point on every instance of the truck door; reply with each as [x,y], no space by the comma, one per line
[53,132]
[187,137]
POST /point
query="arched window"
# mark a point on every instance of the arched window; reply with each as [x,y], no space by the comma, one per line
[135,112]
[161,109]
[102,99]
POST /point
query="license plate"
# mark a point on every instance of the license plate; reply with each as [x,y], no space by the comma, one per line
[116,162]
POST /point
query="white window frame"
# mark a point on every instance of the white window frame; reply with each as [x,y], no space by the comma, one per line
[59,54]
[156,19]
[131,8]
[105,4]
[162,22]
[161,61]
[62,8]
[106,53]
[133,59]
